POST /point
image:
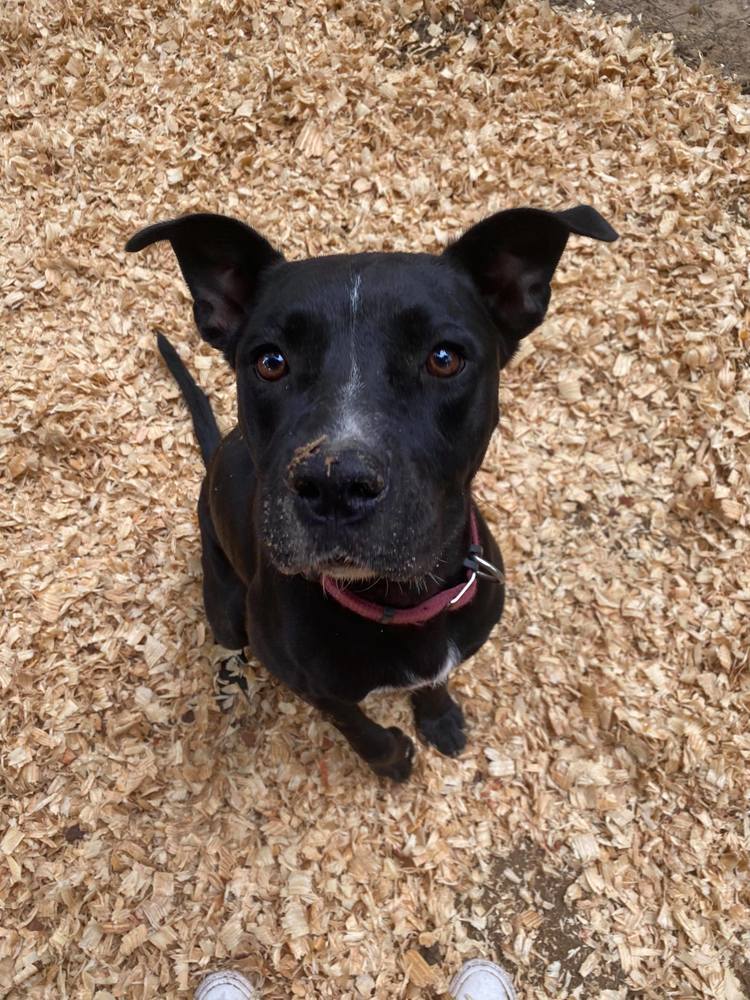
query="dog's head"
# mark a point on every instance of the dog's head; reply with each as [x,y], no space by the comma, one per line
[367,384]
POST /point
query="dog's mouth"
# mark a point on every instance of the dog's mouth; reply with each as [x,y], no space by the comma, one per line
[347,567]
[343,571]
[348,570]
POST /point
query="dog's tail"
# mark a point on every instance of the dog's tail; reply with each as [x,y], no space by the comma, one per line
[204,422]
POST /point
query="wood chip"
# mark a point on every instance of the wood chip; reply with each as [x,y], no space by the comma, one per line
[417,970]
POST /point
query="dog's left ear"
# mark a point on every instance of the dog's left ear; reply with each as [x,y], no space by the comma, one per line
[512,256]
[221,260]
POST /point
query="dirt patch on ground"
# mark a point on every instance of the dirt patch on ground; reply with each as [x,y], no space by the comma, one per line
[743,975]
[716,30]
[530,904]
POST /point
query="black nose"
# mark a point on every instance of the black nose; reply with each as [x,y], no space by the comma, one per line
[342,485]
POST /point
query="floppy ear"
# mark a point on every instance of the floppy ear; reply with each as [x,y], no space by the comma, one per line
[221,260]
[512,256]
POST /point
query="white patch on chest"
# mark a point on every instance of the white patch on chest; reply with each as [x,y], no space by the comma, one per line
[412,682]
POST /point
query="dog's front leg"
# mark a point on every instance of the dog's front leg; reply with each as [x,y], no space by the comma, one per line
[389,752]
[439,719]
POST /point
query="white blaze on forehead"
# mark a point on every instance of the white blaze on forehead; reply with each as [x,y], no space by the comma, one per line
[355,382]
[350,422]
[354,295]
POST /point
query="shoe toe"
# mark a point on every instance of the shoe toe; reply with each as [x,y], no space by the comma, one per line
[482,980]
[225,986]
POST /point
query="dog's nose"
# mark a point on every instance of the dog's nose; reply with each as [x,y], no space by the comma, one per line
[341,485]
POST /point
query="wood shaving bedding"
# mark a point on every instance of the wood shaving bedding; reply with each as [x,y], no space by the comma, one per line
[147,837]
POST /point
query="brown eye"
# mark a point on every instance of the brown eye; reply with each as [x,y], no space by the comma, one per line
[271,365]
[444,361]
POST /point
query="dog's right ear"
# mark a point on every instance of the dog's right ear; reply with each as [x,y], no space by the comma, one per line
[221,260]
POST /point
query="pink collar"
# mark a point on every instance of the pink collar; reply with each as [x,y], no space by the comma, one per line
[446,600]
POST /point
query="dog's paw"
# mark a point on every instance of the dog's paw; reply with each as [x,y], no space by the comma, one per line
[397,763]
[230,680]
[447,732]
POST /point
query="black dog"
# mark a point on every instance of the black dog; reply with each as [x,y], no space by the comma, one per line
[339,535]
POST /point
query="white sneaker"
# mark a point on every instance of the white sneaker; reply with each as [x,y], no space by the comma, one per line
[480,980]
[225,986]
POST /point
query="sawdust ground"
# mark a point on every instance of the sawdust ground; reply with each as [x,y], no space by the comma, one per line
[147,837]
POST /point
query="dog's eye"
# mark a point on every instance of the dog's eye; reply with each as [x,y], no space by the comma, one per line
[271,365]
[445,361]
